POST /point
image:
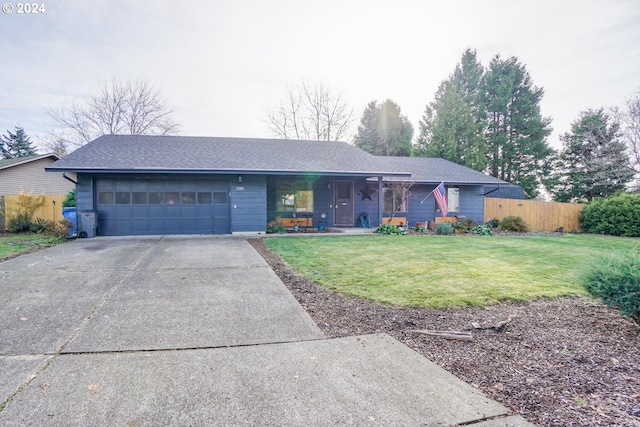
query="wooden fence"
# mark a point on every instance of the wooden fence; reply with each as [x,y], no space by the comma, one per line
[540,216]
[51,210]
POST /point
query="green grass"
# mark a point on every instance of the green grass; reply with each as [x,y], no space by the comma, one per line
[446,271]
[14,244]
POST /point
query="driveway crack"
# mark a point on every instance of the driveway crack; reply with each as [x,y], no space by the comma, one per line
[82,324]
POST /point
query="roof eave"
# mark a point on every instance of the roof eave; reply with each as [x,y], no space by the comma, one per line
[224,171]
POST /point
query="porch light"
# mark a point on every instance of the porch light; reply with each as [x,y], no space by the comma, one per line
[239,179]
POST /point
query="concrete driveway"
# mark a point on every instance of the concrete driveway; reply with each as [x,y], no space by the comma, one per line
[197,330]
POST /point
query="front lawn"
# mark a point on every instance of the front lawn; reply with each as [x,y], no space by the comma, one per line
[15,244]
[447,271]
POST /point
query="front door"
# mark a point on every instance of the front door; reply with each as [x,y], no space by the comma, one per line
[343,206]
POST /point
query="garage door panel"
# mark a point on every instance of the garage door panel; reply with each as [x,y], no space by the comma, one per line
[163,206]
[140,226]
[123,212]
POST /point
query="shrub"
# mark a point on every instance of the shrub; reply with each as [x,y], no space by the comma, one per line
[420,229]
[482,230]
[618,215]
[391,229]
[70,200]
[464,225]
[616,279]
[513,223]
[276,227]
[444,229]
[38,226]
[493,223]
[58,229]
[19,223]
[19,217]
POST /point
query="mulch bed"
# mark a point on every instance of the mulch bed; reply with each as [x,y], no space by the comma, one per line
[558,362]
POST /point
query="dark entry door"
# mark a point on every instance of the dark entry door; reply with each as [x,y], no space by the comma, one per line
[343,206]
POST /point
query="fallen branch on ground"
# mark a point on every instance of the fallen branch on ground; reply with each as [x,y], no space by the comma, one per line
[450,335]
[497,326]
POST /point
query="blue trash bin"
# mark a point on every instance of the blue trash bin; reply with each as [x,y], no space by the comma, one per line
[70,214]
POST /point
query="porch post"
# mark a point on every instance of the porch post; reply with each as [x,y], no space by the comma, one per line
[380,201]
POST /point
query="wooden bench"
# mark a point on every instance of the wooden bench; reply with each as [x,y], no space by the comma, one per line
[300,222]
[399,221]
[446,219]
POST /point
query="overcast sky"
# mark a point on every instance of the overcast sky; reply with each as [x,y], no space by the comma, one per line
[222,64]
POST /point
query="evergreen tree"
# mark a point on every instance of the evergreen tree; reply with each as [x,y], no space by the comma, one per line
[593,161]
[384,131]
[16,144]
[449,130]
[515,130]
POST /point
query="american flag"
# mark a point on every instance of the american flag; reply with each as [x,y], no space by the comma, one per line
[441,198]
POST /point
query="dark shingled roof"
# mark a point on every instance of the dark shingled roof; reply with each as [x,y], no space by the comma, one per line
[187,154]
[431,170]
[7,163]
[510,191]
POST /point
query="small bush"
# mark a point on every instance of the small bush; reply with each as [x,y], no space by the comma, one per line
[420,229]
[464,225]
[19,223]
[70,200]
[444,229]
[616,279]
[276,227]
[493,223]
[58,229]
[38,226]
[482,230]
[618,215]
[390,229]
[513,223]
[19,217]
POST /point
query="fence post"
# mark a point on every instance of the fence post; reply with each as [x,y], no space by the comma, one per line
[3,215]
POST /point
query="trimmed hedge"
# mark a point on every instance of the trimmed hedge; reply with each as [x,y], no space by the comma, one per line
[616,279]
[618,215]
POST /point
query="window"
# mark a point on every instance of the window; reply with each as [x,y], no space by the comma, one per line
[453,199]
[105,198]
[294,196]
[396,199]
[188,198]
[123,197]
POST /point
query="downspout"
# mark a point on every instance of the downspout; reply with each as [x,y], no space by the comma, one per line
[64,175]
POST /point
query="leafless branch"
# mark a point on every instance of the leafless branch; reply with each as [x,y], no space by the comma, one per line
[132,107]
[311,113]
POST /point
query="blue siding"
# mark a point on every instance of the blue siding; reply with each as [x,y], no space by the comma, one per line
[249,204]
[422,204]
[323,198]
[84,197]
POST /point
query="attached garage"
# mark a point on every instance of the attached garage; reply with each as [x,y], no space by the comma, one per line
[158,205]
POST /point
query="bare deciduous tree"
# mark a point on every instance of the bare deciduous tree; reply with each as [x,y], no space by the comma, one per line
[133,107]
[311,113]
[629,118]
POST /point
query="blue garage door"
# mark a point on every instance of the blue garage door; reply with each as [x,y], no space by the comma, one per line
[129,206]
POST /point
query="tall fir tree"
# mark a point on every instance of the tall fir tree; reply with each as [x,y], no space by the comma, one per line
[16,144]
[452,125]
[384,131]
[593,161]
[515,130]
[449,130]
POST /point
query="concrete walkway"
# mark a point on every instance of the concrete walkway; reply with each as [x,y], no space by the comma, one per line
[195,330]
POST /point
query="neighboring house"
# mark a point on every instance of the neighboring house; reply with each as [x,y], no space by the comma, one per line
[185,185]
[27,174]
